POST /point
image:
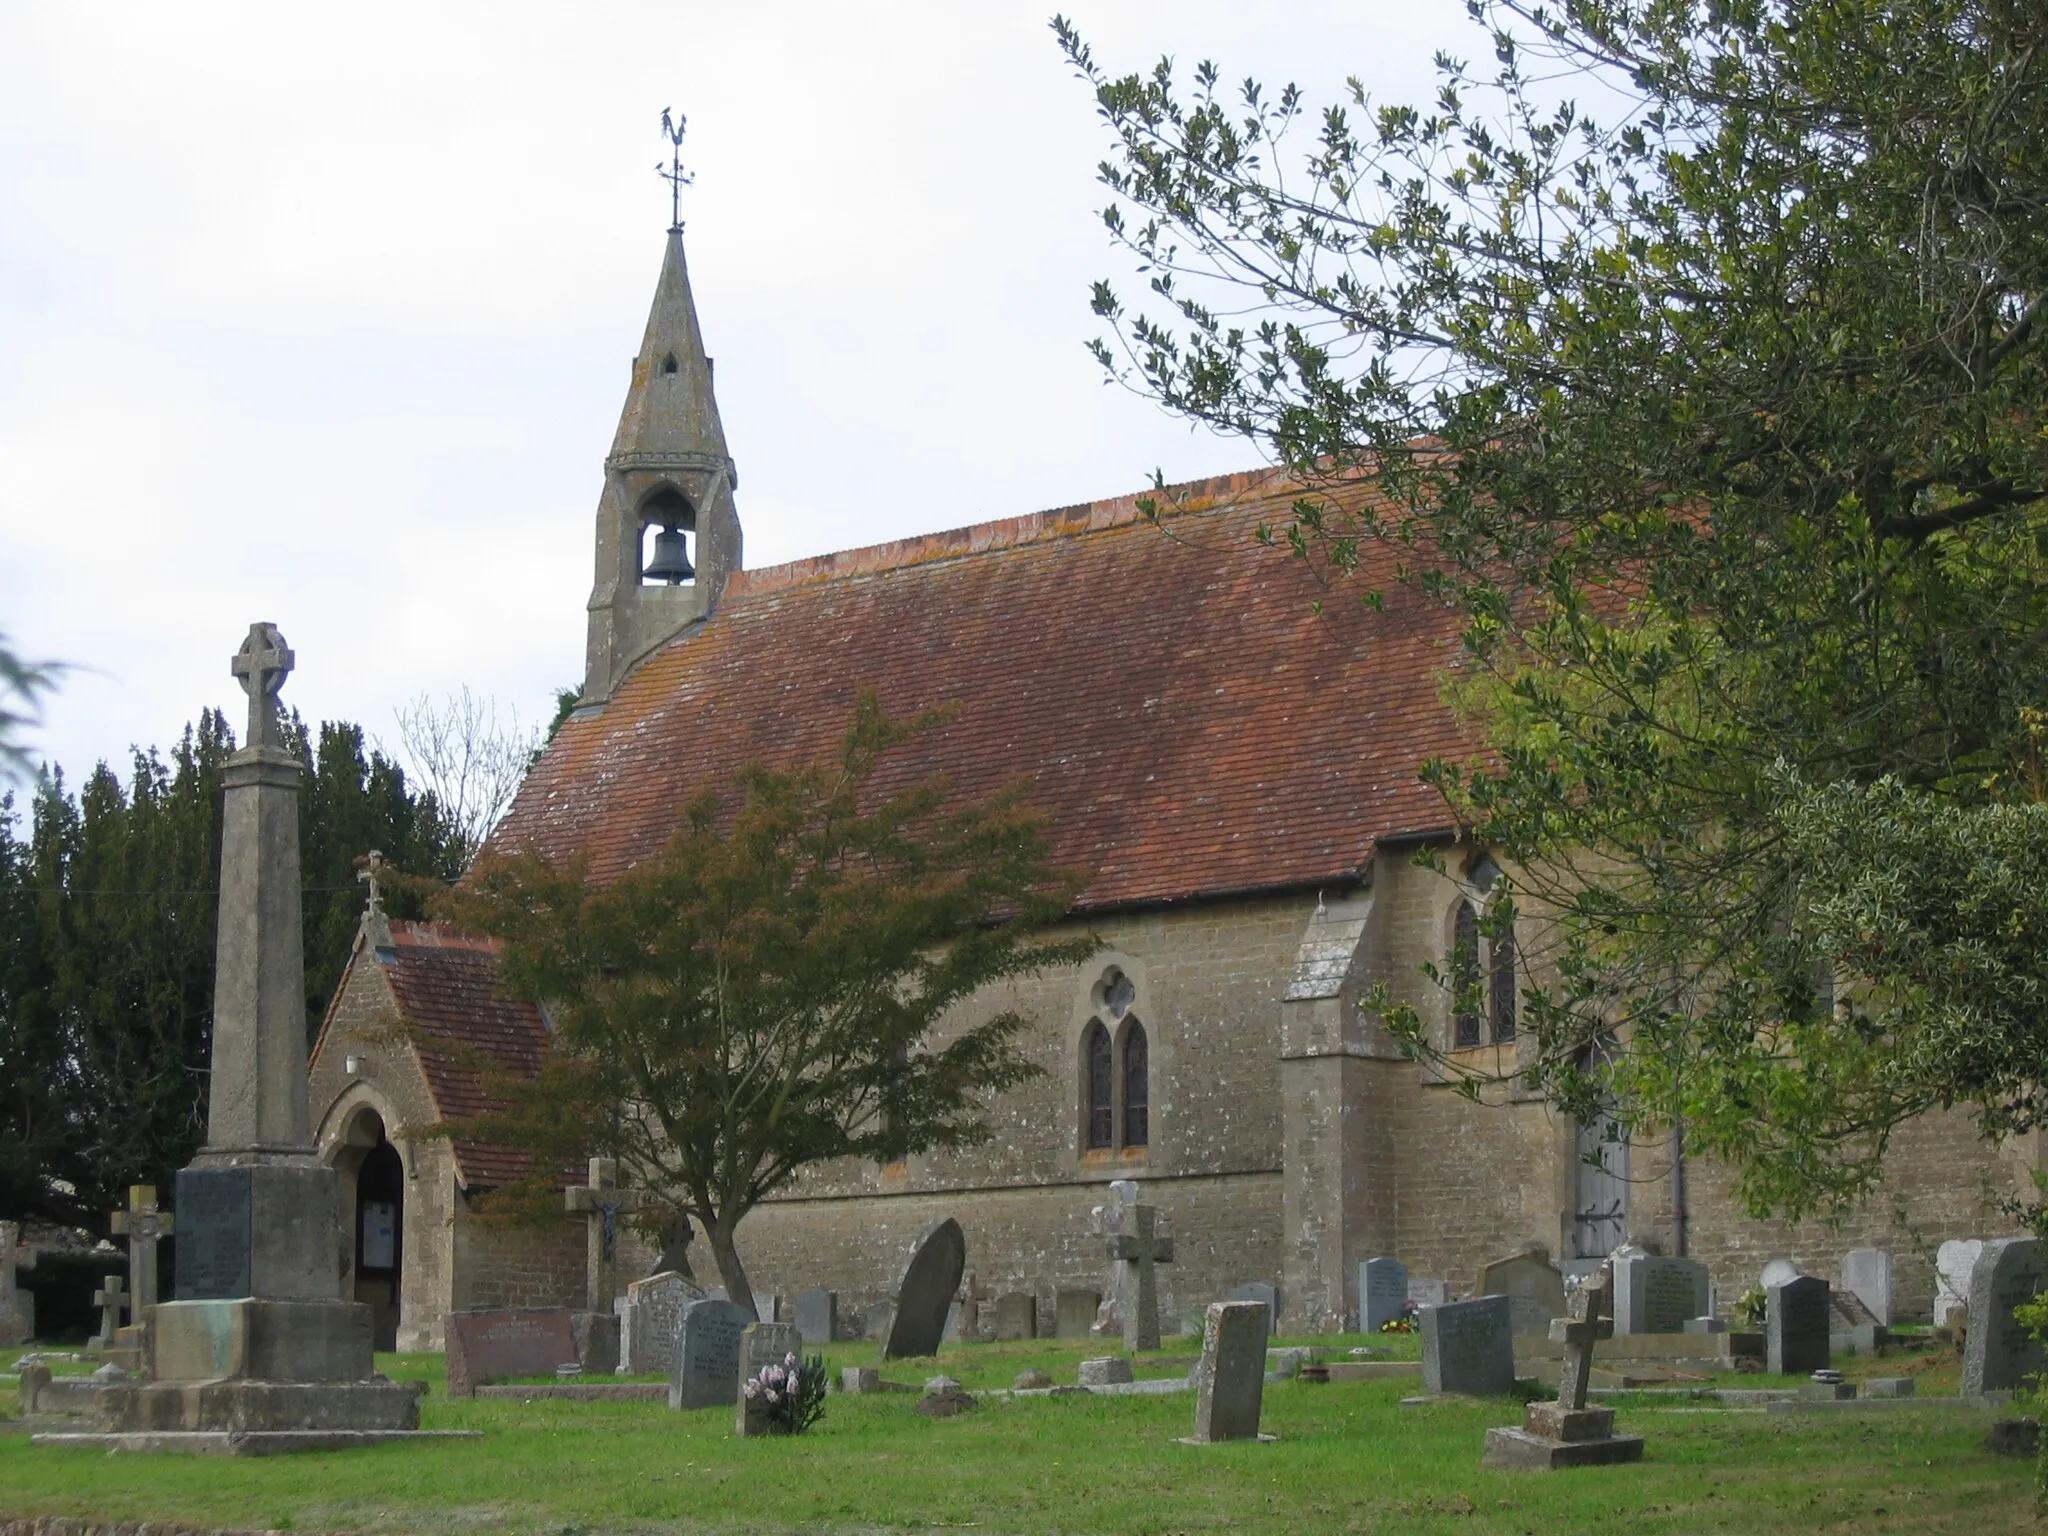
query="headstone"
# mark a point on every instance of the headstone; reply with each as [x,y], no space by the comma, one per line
[1955,1262]
[110,1298]
[652,1321]
[1075,1313]
[597,1341]
[1258,1290]
[1999,1353]
[1777,1272]
[17,1306]
[761,1345]
[144,1226]
[1567,1433]
[817,1317]
[1016,1317]
[1468,1346]
[1796,1330]
[964,1321]
[1382,1293]
[925,1293]
[1867,1275]
[1108,1221]
[1428,1290]
[1532,1284]
[1109,1371]
[492,1345]
[1139,1247]
[854,1380]
[1231,1379]
[1653,1294]
[706,1373]
[1031,1379]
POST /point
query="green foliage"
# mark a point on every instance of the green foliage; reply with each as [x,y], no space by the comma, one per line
[778,988]
[792,1393]
[21,684]
[1716,415]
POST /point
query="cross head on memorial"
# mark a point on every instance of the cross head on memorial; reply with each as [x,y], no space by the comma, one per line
[1139,1247]
[144,1226]
[370,875]
[1587,1320]
[261,666]
[110,1298]
[599,1202]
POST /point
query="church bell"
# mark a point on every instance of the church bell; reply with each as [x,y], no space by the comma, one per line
[671,562]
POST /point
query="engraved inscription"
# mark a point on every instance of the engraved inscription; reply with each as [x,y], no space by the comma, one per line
[213,1242]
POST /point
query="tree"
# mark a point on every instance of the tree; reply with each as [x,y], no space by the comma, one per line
[21,684]
[1720,426]
[771,992]
[468,760]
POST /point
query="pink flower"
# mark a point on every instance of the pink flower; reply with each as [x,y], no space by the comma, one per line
[753,1389]
[772,1396]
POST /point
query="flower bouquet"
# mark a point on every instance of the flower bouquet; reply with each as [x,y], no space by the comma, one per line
[790,1397]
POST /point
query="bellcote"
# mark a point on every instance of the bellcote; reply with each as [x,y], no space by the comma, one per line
[668,534]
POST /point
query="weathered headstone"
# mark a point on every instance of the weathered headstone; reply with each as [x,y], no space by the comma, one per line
[1533,1285]
[144,1226]
[1016,1317]
[1955,1262]
[1230,1382]
[1139,1247]
[111,1298]
[1867,1275]
[1258,1290]
[1999,1353]
[1076,1313]
[817,1317]
[1796,1329]
[706,1372]
[652,1320]
[761,1345]
[17,1306]
[1428,1290]
[1653,1294]
[925,1293]
[1567,1433]
[492,1345]
[1382,1293]
[964,1321]
[1468,1346]
[1109,1371]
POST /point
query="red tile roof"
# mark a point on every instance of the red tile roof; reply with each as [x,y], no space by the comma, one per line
[1191,722]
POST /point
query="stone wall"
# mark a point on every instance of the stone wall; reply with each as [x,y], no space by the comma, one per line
[500,1263]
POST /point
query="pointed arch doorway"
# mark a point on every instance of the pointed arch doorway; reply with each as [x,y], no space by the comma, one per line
[379,1225]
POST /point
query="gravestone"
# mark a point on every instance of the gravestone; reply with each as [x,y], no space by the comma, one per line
[1382,1293]
[1109,1371]
[17,1306]
[1867,1275]
[1777,1272]
[1258,1290]
[652,1321]
[706,1372]
[1139,1246]
[1954,1263]
[1468,1346]
[817,1317]
[493,1345]
[144,1226]
[1075,1313]
[1428,1290]
[925,1294]
[1534,1287]
[1796,1330]
[1567,1433]
[1107,1221]
[1653,1294]
[1999,1353]
[1230,1382]
[761,1345]
[1016,1317]
[110,1298]
[964,1321]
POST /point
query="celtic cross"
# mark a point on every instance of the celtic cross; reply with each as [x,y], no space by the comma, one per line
[261,666]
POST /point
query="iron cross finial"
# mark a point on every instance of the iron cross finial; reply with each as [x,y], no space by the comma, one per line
[261,666]
[373,867]
[673,124]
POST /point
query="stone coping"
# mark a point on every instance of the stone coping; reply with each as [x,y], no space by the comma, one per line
[580,1391]
[266,1442]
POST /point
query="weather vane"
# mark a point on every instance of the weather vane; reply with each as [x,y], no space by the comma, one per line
[673,124]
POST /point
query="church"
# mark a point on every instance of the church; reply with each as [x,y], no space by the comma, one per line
[1232,765]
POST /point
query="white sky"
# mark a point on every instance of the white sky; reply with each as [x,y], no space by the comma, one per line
[323,316]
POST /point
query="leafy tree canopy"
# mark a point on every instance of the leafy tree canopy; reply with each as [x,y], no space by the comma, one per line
[1711,400]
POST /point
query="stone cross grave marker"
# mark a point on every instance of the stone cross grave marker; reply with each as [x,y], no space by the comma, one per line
[1074,1313]
[653,1321]
[1867,1275]
[1583,1325]
[599,1203]
[1568,1433]
[706,1370]
[1954,1263]
[1230,1382]
[1139,1247]
[17,1306]
[1999,1353]
[1016,1317]
[1797,1327]
[925,1294]
[817,1317]
[761,1345]
[110,1298]
[1468,1346]
[1655,1294]
[1382,1293]
[144,1226]
[1533,1285]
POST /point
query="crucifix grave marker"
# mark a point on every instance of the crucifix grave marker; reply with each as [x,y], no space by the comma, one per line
[1139,1247]
[599,1203]
[143,1225]
[110,1298]
[17,1307]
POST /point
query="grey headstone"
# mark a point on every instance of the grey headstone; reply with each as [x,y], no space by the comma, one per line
[1999,1353]
[1867,1275]
[1231,1379]
[706,1373]
[653,1320]
[1777,1272]
[1796,1330]
[761,1345]
[1954,1262]
[1653,1294]
[1111,1370]
[1534,1286]
[1468,1346]
[925,1294]
[817,1317]
[1016,1316]
[1428,1290]
[1258,1290]
[1077,1312]
[1382,1293]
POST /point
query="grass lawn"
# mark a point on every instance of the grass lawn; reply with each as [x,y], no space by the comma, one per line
[1349,1459]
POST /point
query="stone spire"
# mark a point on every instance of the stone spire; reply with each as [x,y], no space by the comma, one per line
[668,468]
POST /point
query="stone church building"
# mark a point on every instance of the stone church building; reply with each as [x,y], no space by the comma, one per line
[1235,771]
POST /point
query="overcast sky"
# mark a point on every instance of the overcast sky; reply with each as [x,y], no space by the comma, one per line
[323,315]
